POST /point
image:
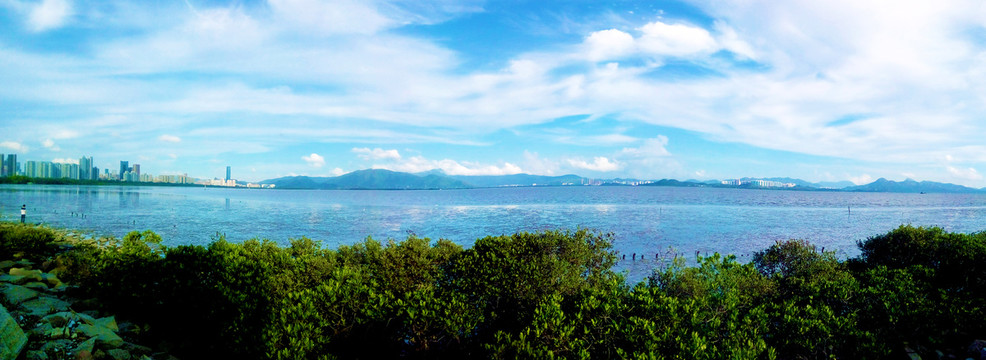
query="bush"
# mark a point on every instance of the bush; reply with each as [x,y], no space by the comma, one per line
[31,242]
[548,294]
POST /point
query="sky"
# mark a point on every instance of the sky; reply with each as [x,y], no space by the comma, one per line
[819,90]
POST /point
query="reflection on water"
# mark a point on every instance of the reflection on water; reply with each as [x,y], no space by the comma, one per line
[645,221]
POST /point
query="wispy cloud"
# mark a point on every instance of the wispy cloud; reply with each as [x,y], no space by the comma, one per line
[377,154]
[50,145]
[599,163]
[15,146]
[49,14]
[302,73]
[169,138]
[314,160]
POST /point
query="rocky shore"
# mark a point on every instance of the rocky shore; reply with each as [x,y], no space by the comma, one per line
[39,319]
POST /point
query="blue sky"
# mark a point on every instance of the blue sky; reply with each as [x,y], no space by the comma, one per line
[820,90]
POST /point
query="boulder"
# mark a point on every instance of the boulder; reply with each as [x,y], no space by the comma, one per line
[12,338]
[58,333]
[40,330]
[135,349]
[39,286]
[51,280]
[105,338]
[36,355]
[108,322]
[44,305]
[10,279]
[84,355]
[59,349]
[33,275]
[87,346]
[68,318]
[118,354]
[16,294]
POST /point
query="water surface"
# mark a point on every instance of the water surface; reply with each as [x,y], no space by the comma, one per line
[644,220]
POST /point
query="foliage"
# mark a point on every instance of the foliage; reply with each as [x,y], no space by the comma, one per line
[550,294]
[25,240]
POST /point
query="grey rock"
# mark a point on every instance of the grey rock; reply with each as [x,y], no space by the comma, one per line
[105,338]
[135,349]
[58,348]
[88,346]
[31,275]
[118,354]
[36,355]
[44,305]
[12,279]
[39,286]
[12,338]
[108,322]
[16,294]
[51,280]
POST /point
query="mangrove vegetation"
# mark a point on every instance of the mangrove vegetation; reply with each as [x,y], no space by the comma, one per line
[545,295]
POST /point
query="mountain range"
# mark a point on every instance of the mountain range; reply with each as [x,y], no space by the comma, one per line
[379,179]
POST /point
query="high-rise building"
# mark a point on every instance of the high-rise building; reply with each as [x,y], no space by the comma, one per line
[124,167]
[86,169]
[10,165]
[3,168]
[227,173]
[136,170]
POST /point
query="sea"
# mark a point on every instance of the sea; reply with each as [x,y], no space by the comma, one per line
[649,225]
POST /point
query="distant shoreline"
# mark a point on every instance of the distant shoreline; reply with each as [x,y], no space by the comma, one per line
[904,187]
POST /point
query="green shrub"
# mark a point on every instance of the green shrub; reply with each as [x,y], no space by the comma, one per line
[31,242]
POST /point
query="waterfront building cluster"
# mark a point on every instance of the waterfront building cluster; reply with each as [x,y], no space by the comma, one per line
[85,170]
[758,183]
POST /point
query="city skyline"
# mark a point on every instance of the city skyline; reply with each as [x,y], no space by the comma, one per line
[842,90]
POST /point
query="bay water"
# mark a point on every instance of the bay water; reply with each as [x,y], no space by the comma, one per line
[648,223]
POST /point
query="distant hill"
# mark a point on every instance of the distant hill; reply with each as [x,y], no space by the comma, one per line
[835,184]
[672,182]
[806,184]
[372,179]
[911,186]
[518,180]
[379,179]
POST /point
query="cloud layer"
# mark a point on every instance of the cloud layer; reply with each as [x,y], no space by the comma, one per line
[894,88]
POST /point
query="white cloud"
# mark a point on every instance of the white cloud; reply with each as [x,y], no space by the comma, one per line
[609,44]
[337,172]
[50,145]
[418,164]
[49,14]
[331,17]
[916,71]
[675,39]
[169,138]
[65,161]
[655,147]
[314,160]
[861,179]
[537,165]
[377,154]
[15,146]
[965,174]
[599,163]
